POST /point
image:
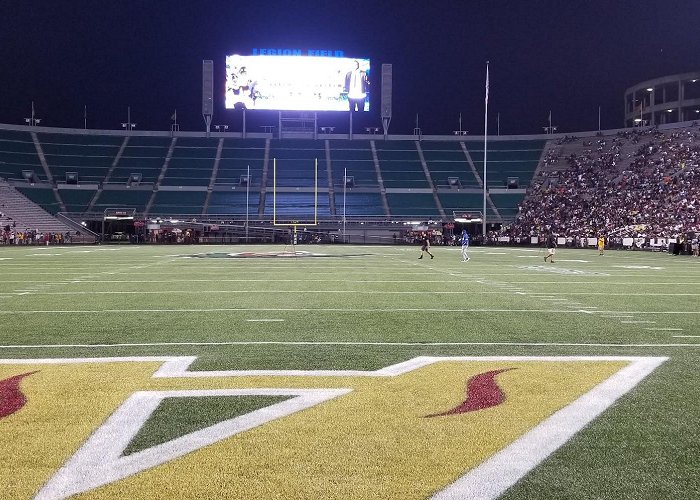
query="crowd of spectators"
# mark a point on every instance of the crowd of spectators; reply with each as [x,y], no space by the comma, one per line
[638,183]
[10,236]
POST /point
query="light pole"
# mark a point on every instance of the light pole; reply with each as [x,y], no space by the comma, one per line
[32,121]
[345,188]
[247,194]
[129,125]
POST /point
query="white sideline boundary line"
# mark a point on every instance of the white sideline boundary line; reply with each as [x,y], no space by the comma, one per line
[332,343]
[329,309]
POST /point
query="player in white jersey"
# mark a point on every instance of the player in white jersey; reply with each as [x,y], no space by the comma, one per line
[465,245]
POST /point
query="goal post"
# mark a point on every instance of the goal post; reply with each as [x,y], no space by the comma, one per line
[293,221]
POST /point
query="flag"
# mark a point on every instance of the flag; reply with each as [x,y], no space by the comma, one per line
[174,116]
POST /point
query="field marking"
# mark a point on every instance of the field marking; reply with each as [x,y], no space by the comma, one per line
[670,330]
[583,309]
[300,292]
[686,336]
[99,461]
[463,278]
[491,478]
[335,343]
[263,320]
[179,366]
[636,322]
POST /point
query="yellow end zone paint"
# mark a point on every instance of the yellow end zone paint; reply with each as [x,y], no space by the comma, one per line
[373,442]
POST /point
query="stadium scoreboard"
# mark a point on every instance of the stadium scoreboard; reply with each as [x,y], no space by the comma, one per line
[296,80]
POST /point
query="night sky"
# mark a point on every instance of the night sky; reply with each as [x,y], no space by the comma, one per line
[569,57]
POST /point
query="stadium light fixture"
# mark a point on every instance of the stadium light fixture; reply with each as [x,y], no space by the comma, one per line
[669,111]
[219,127]
[128,125]
[32,120]
[650,89]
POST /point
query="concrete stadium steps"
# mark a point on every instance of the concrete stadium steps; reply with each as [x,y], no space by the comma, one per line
[27,213]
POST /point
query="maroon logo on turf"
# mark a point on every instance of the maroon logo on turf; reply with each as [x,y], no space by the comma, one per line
[482,393]
[11,397]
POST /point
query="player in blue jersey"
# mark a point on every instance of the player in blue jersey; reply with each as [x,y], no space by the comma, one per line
[465,245]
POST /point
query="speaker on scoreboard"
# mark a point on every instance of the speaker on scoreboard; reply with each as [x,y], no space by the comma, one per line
[386,90]
[512,182]
[71,177]
[207,87]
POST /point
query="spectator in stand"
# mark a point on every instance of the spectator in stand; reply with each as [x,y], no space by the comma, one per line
[635,184]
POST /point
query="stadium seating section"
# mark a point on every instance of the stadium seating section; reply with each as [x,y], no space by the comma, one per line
[160,175]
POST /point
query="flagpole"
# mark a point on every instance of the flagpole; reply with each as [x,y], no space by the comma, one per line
[486,125]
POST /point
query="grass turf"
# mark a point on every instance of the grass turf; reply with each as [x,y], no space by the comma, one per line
[350,311]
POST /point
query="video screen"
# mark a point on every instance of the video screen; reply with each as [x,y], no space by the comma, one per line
[297,83]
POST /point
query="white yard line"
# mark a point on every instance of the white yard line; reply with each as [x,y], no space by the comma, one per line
[300,292]
[331,309]
[333,343]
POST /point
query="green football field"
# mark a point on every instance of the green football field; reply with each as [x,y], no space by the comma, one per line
[368,307]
